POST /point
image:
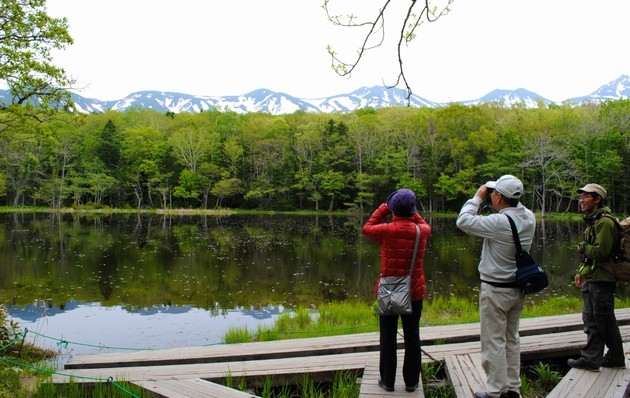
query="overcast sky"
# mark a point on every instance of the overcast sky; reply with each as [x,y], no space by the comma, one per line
[557,48]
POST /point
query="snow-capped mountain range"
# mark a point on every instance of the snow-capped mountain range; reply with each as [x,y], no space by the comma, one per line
[263,100]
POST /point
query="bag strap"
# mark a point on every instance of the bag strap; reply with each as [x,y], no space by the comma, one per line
[517,239]
[415,250]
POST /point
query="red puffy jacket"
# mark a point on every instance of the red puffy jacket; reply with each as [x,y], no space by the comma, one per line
[396,240]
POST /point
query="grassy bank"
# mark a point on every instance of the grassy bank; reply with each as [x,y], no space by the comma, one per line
[355,317]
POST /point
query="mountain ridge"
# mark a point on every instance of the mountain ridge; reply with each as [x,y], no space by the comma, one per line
[269,101]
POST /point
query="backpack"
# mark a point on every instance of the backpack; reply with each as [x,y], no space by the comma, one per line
[624,232]
[619,264]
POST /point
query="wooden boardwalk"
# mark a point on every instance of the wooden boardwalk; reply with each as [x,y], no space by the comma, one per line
[465,374]
[188,388]
[371,389]
[608,383]
[286,361]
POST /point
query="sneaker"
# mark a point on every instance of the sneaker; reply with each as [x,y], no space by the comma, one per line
[412,388]
[385,387]
[607,363]
[582,363]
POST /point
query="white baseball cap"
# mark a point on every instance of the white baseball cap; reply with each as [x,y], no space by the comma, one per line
[508,186]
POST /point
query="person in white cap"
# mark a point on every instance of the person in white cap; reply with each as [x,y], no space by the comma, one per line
[598,285]
[501,301]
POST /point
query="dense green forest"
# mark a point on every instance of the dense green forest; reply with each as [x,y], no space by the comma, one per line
[308,161]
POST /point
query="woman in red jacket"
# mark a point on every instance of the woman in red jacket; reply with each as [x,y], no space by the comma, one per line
[396,239]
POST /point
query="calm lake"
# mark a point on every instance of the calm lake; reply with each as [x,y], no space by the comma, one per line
[146,281]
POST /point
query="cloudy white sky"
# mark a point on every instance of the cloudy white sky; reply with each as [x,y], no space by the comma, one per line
[556,48]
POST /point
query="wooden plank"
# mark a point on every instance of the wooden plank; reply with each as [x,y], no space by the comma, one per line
[609,382]
[191,388]
[532,347]
[371,389]
[362,342]
[465,374]
[280,370]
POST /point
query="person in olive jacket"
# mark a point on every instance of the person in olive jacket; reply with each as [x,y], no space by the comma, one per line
[396,239]
[598,285]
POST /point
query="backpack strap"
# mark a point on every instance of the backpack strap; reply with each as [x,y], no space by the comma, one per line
[517,239]
[415,250]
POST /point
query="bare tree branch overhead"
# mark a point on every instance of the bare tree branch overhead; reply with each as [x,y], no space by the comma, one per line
[417,13]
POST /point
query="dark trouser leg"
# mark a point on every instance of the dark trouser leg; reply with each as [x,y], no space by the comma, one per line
[607,322]
[387,366]
[413,354]
[600,323]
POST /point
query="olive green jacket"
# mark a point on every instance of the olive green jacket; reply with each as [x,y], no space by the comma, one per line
[601,239]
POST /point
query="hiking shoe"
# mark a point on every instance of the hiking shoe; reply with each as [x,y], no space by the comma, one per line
[385,387]
[582,363]
[412,388]
[607,363]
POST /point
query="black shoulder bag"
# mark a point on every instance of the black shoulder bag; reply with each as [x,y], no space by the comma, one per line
[530,276]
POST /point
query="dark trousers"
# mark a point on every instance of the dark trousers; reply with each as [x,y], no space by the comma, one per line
[411,331]
[600,323]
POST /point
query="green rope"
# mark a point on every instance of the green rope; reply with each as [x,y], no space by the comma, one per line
[64,343]
[109,380]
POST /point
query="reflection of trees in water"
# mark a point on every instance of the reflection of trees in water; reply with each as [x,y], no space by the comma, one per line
[107,273]
[141,231]
[235,261]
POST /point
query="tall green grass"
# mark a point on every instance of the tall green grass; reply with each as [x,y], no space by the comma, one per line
[358,317]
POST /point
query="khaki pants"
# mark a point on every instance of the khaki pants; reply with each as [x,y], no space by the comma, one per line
[500,311]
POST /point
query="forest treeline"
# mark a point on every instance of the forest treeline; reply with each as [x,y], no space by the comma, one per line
[314,161]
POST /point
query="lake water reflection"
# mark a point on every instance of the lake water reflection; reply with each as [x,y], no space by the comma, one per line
[155,281]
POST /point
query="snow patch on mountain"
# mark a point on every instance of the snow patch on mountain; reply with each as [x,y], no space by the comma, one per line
[277,103]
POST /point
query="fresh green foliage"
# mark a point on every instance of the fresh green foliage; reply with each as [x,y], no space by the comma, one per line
[304,161]
[546,376]
[9,329]
[27,38]
[537,380]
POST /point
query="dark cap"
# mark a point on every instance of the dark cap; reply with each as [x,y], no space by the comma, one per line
[402,202]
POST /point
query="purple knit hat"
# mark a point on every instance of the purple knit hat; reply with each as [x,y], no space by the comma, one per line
[402,203]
